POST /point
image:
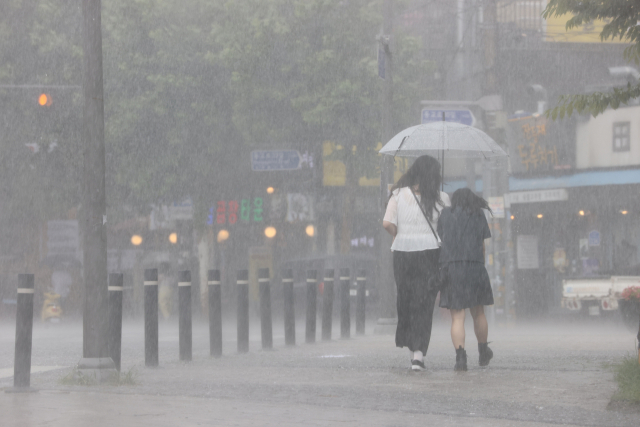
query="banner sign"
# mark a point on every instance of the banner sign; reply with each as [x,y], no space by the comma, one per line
[537,145]
[230,211]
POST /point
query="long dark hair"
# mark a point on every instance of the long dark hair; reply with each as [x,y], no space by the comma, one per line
[425,173]
[467,200]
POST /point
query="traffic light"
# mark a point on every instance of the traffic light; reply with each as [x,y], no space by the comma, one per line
[44,100]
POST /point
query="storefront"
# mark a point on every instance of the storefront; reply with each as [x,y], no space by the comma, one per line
[580,225]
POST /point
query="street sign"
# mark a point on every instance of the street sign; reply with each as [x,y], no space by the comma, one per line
[556,195]
[463,116]
[275,160]
[181,210]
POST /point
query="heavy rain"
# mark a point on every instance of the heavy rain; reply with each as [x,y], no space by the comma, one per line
[244,212]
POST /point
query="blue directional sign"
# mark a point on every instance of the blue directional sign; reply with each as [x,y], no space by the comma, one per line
[463,116]
[275,160]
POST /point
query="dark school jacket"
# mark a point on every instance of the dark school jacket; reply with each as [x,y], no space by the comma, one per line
[462,234]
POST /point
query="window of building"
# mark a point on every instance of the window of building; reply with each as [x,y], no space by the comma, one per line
[621,136]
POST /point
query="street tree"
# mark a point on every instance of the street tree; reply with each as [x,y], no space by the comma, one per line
[620,22]
[190,88]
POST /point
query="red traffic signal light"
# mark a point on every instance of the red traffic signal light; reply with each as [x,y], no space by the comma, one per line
[44,100]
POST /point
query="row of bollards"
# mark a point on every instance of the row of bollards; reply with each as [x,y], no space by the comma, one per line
[24,327]
[266,326]
[24,314]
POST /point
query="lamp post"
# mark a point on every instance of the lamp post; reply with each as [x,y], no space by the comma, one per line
[387,317]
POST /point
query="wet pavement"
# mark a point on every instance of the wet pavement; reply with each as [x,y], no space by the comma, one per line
[550,374]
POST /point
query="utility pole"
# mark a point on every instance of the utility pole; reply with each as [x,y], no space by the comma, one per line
[497,172]
[95,351]
[463,88]
[386,284]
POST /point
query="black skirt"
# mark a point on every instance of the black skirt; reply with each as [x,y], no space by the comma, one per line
[468,286]
[416,301]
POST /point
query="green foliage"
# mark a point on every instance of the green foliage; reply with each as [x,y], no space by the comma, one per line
[38,46]
[627,375]
[621,22]
[129,377]
[191,87]
[593,103]
[76,378]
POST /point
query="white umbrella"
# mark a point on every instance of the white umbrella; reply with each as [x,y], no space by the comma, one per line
[449,138]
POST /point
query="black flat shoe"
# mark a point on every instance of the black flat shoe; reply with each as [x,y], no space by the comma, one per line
[417,365]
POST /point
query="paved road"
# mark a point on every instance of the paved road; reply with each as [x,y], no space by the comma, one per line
[541,375]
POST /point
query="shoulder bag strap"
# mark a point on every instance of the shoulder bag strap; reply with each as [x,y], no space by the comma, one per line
[425,216]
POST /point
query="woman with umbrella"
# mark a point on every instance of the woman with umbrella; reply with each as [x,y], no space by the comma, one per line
[411,218]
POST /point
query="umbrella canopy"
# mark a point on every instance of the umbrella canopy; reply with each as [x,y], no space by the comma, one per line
[455,139]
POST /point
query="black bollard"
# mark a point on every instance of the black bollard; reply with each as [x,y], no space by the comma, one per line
[184,316]
[151,317]
[345,312]
[24,332]
[115,317]
[312,301]
[265,308]
[361,279]
[215,313]
[242,285]
[327,304]
[289,312]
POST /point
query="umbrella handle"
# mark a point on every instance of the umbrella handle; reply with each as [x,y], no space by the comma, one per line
[399,147]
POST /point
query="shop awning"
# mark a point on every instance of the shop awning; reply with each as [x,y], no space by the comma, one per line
[578,179]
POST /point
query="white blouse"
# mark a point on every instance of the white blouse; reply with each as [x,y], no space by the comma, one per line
[414,234]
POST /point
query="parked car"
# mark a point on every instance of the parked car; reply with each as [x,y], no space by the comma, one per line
[597,294]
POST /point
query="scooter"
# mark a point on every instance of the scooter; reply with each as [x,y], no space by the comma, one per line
[51,310]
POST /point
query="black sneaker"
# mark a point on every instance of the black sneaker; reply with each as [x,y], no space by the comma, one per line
[417,365]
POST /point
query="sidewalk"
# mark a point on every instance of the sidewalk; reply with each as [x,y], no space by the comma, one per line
[539,376]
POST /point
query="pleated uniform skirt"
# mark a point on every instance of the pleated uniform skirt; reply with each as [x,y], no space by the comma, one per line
[469,286]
